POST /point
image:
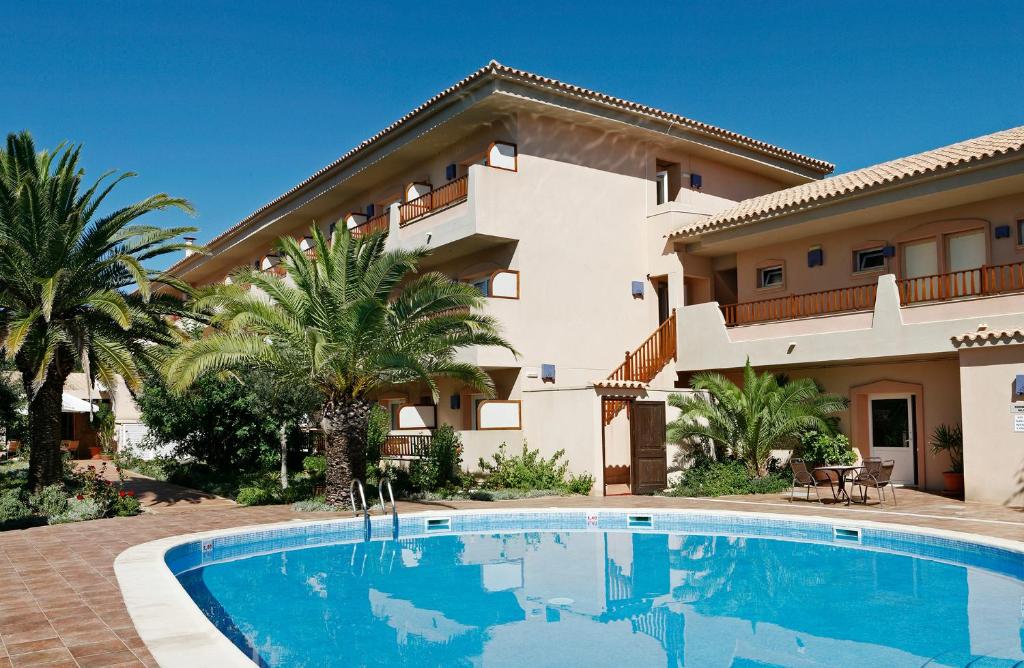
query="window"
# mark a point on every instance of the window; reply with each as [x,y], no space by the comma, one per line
[966,250]
[769,277]
[1020,232]
[483,284]
[394,406]
[869,259]
[661,183]
[475,400]
[920,258]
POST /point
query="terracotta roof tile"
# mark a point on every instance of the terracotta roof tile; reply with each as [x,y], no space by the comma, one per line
[497,70]
[607,383]
[815,193]
[985,336]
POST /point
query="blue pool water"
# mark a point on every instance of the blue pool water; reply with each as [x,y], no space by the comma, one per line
[609,598]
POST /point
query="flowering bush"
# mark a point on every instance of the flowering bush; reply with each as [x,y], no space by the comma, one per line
[126,505]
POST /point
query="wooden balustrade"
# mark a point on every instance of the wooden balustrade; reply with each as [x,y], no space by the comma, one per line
[986,280]
[276,270]
[397,446]
[444,196]
[826,302]
[644,363]
[373,225]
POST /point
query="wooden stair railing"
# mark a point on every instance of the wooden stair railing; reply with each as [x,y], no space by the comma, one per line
[644,363]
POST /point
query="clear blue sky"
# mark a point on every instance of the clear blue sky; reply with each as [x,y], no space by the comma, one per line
[230,104]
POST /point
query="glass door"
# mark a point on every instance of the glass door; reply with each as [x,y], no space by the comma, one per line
[891,425]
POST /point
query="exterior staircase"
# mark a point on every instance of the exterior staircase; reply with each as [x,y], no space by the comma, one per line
[643,364]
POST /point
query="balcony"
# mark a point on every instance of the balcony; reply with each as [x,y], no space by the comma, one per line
[467,215]
[438,199]
[982,282]
[891,319]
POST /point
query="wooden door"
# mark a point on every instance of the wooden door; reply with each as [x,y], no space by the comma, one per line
[647,444]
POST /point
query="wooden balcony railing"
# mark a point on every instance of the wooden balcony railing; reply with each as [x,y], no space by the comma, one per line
[826,302]
[277,270]
[373,225]
[413,445]
[986,280]
[450,193]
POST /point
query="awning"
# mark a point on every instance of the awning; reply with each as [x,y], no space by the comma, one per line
[69,403]
[72,404]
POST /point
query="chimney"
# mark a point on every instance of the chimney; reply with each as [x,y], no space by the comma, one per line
[188,242]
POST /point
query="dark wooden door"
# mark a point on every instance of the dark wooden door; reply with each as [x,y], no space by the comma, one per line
[647,443]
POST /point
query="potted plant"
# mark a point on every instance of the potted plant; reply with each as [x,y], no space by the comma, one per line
[951,439]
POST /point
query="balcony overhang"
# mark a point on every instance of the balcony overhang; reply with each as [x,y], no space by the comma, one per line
[971,183]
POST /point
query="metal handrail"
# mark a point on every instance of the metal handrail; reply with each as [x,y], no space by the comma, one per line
[362,498]
[391,495]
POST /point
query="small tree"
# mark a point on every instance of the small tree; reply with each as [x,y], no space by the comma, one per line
[751,421]
[350,318]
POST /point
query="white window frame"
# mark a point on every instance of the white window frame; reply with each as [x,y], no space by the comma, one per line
[762,272]
[861,252]
[661,187]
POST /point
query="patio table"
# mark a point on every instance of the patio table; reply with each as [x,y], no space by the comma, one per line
[841,470]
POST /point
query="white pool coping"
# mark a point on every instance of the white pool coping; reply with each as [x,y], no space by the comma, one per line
[177,633]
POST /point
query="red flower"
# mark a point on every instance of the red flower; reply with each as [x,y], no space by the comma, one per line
[122,494]
[80,497]
[131,494]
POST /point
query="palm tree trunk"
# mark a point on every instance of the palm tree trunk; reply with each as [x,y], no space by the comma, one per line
[44,464]
[283,436]
[344,425]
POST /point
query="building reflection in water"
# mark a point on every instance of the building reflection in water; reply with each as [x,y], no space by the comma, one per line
[605,598]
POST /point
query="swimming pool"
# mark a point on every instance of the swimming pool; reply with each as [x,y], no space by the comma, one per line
[606,588]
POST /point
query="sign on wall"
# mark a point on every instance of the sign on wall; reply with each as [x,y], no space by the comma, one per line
[1018,422]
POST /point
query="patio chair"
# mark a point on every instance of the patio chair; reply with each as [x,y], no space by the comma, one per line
[880,480]
[869,465]
[808,480]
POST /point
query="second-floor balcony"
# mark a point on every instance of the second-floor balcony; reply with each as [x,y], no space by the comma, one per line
[892,318]
[981,282]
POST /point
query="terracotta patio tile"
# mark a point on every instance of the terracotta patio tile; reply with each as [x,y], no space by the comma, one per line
[5,662]
[89,636]
[102,647]
[36,632]
[33,646]
[47,657]
[108,659]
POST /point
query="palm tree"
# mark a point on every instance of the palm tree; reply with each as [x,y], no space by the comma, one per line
[752,420]
[349,319]
[63,275]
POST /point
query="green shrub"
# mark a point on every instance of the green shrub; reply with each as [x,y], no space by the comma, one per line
[721,478]
[50,500]
[78,510]
[818,448]
[253,496]
[441,464]
[528,470]
[316,505]
[13,509]
[315,465]
[580,484]
[126,505]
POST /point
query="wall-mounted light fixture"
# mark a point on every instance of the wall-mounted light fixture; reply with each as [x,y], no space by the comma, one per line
[547,373]
[1003,232]
[695,181]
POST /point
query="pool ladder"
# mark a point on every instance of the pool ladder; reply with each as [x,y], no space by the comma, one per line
[359,505]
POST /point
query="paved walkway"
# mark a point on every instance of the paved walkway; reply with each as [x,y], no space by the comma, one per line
[156,495]
[60,603]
